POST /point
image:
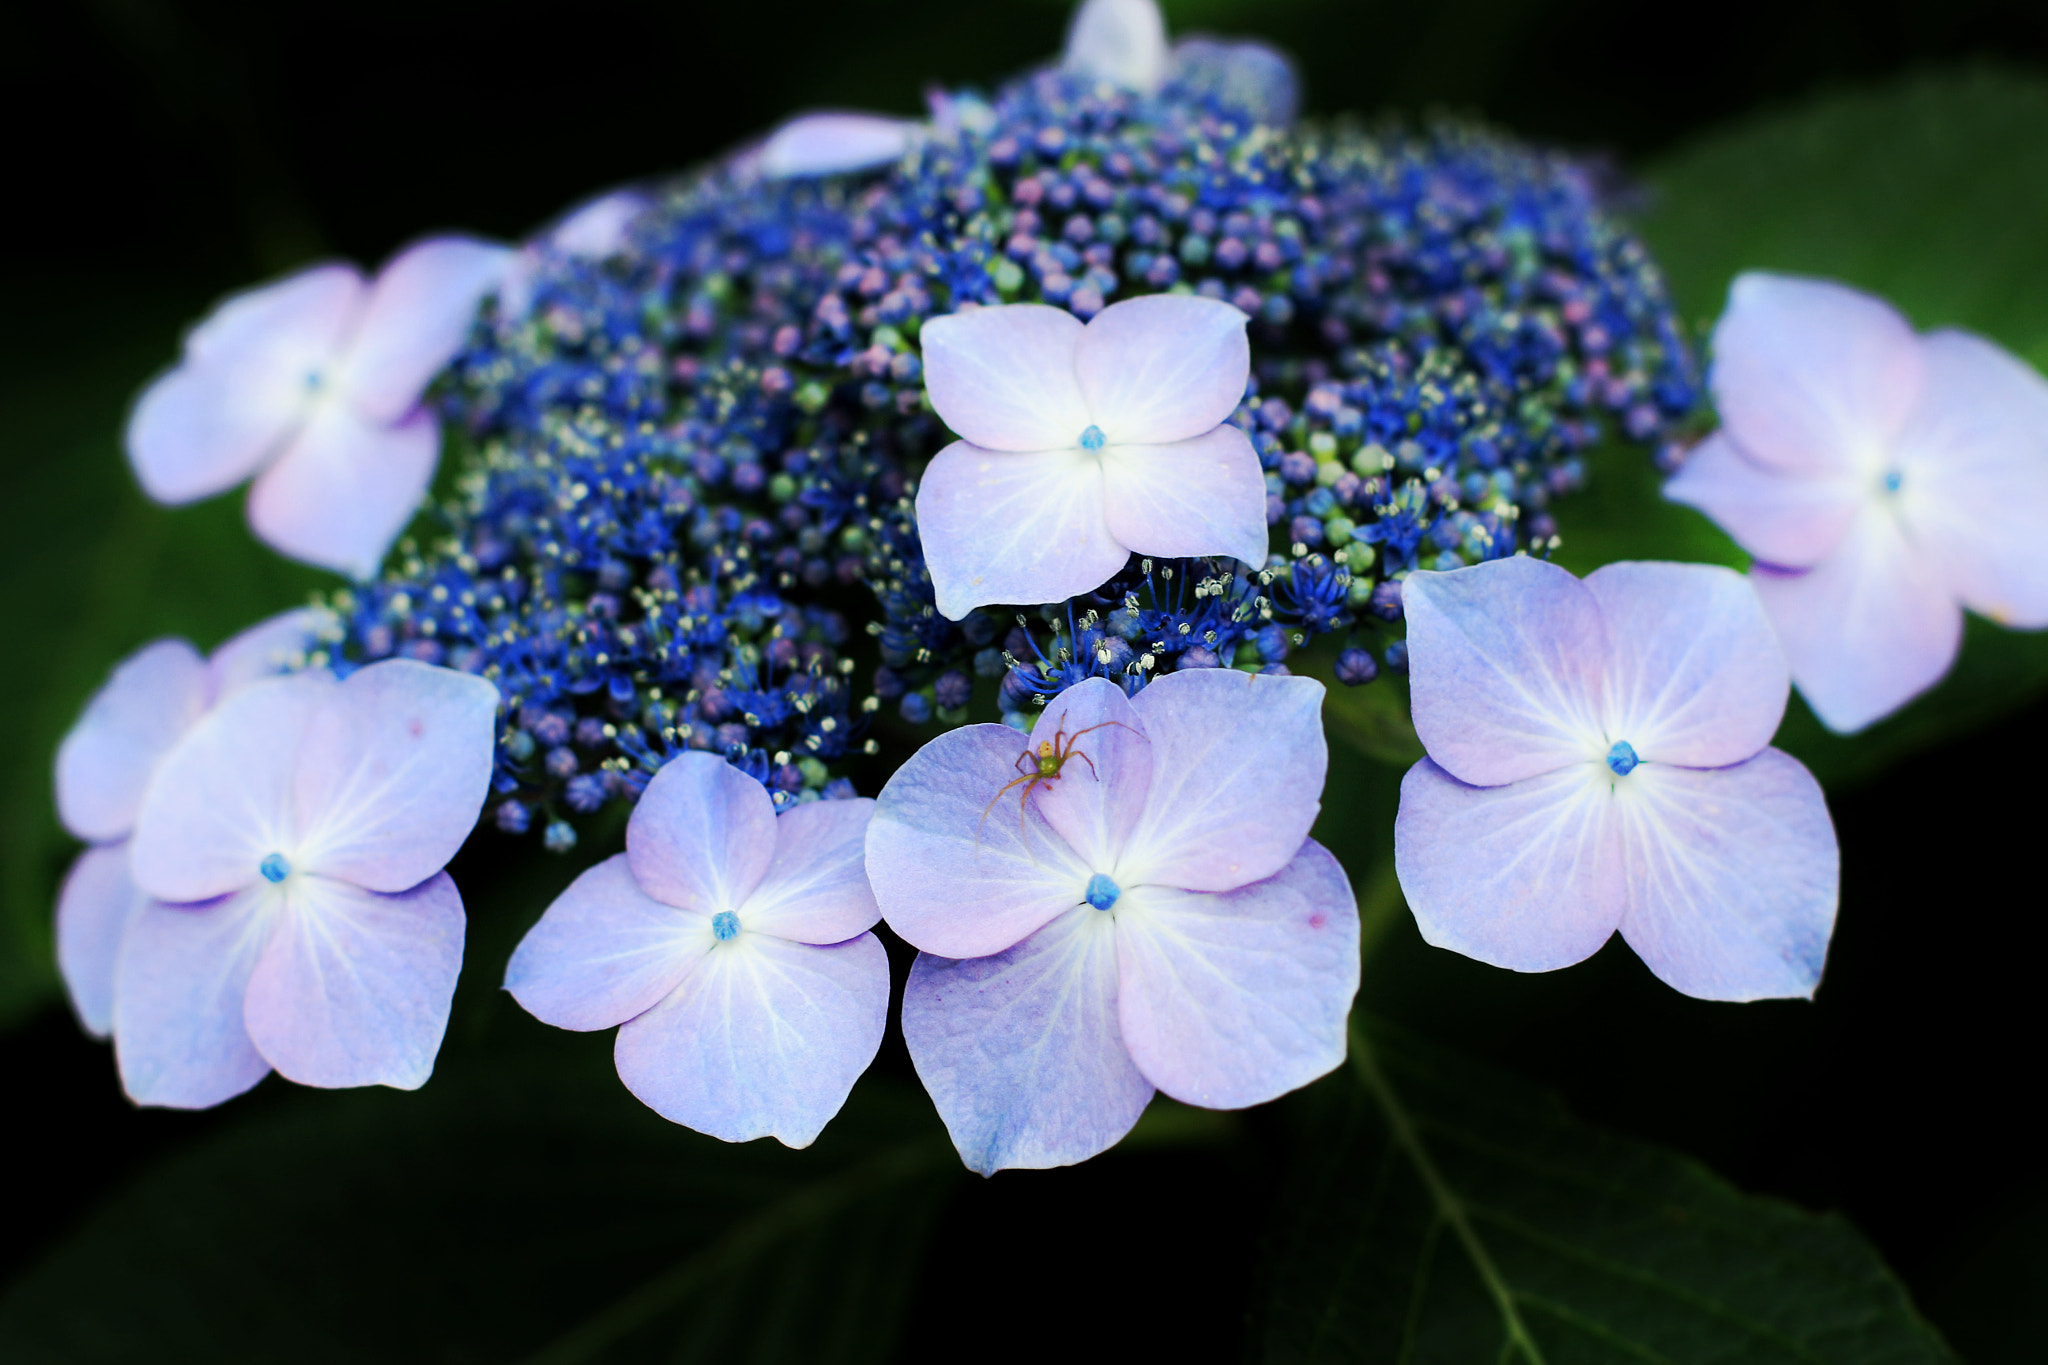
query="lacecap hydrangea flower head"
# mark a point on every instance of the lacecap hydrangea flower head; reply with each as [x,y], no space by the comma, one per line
[1086,402]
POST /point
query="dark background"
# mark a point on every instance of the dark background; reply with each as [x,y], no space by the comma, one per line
[161,152]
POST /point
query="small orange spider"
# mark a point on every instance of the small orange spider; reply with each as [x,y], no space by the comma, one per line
[1046,760]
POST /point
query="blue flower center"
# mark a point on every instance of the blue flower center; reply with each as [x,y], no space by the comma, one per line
[1093,439]
[1892,479]
[1102,892]
[275,867]
[1622,758]
[314,381]
[725,926]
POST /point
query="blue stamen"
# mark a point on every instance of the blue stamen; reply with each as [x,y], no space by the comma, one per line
[1093,439]
[725,926]
[1892,479]
[1622,758]
[274,867]
[1102,892]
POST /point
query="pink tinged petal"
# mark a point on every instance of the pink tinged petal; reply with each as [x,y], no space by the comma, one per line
[1232,999]
[179,984]
[833,144]
[392,772]
[1812,377]
[1163,367]
[1973,485]
[1004,377]
[354,987]
[816,888]
[1204,496]
[1022,1052]
[94,909]
[1505,662]
[1868,629]
[1119,41]
[1527,876]
[1000,527]
[1695,674]
[598,229]
[249,374]
[764,1038]
[957,871]
[420,309]
[1733,875]
[604,951]
[1791,520]
[278,645]
[222,800]
[104,764]
[703,834]
[345,488]
[1100,791]
[1237,777]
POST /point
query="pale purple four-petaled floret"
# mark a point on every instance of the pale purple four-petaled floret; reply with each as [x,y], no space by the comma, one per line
[1884,481]
[1082,445]
[732,944]
[1155,917]
[1598,762]
[313,386]
[293,914]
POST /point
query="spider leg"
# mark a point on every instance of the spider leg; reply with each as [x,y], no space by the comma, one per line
[1023,834]
[1089,761]
[999,796]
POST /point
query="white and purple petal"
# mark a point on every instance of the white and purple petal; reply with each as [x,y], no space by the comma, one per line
[1103,780]
[221,801]
[832,143]
[1792,521]
[1812,377]
[95,906]
[1006,527]
[1022,1052]
[1733,876]
[1505,664]
[1527,876]
[391,773]
[1202,496]
[1238,762]
[1867,629]
[955,870]
[605,951]
[1972,485]
[1161,368]
[1122,42]
[816,887]
[106,760]
[1004,377]
[353,987]
[179,986]
[277,645]
[1231,999]
[345,487]
[1695,674]
[702,835]
[764,1037]
[420,309]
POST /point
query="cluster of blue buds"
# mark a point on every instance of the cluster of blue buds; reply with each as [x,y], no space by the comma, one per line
[691,463]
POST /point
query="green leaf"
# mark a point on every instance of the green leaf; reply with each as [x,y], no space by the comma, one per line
[528,1208]
[1932,192]
[1442,1213]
